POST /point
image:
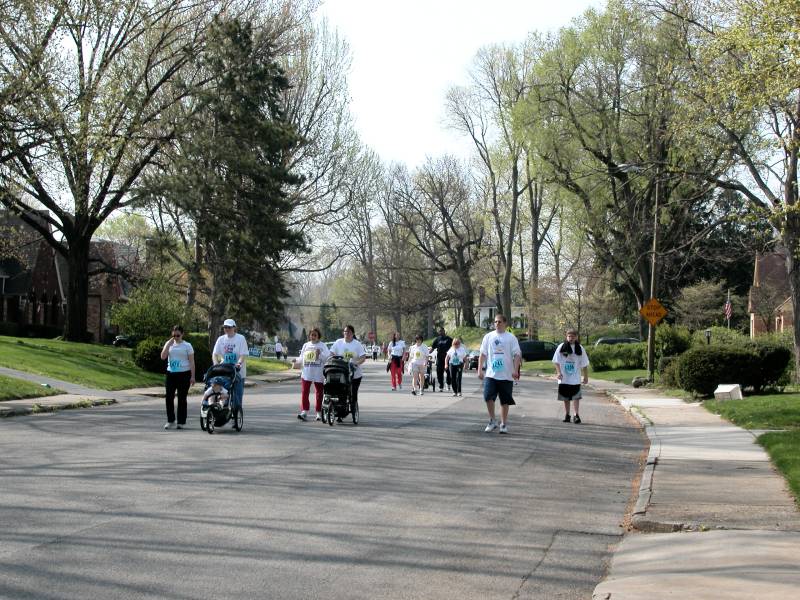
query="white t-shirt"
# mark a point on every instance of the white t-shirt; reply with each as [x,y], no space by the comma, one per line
[500,350]
[350,351]
[231,349]
[456,355]
[571,365]
[312,364]
[178,358]
[278,347]
[397,348]
[418,355]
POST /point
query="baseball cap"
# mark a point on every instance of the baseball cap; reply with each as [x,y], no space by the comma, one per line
[229,323]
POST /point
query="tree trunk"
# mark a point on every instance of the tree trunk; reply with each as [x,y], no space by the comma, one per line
[467,301]
[194,274]
[75,326]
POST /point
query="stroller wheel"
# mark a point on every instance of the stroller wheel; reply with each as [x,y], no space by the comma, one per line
[210,424]
[354,411]
[238,418]
[203,423]
[330,415]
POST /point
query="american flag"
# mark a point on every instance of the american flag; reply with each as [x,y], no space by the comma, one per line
[728,310]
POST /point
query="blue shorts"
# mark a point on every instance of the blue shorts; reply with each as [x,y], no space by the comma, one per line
[492,388]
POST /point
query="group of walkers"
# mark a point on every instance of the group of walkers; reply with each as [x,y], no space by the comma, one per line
[499,365]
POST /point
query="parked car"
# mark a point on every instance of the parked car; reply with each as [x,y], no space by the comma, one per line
[125,341]
[616,340]
[537,350]
[472,359]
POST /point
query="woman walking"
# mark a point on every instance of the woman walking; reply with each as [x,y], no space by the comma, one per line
[454,363]
[418,357]
[312,356]
[352,350]
[179,355]
[396,350]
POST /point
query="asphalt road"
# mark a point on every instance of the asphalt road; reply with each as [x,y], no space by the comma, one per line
[414,502]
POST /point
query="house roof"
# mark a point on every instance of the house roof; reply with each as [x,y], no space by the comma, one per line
[770,282]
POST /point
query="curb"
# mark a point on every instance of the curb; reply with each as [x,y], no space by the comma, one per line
[35,408]
[639,520]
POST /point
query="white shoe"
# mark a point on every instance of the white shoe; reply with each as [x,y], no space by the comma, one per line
[454,394]
[393,389]
[319,417]
[491,426]
[460,394]
[503,428]
[169,425]
[302,415]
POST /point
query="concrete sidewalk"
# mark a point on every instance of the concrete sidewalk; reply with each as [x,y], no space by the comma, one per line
[713,518]
[79,396]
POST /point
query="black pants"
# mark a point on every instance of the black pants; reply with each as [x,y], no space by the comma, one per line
[177,382]
[456,371]
[354,387]
[440,374]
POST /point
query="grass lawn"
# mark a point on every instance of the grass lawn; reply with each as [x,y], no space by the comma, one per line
[538,366]
[93,365]
[770,411]
[784,450]
[17,389]
[257,366]
[773,411]
[618,375]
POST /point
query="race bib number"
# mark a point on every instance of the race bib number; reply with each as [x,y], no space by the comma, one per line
[417,354]
[174,365]
[569,368]
[230,357]
[348,355]
[498,364]
[311,356]
[455,361]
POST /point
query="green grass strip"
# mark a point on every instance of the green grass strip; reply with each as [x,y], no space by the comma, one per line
[784,450]
[18,389]
[771,411]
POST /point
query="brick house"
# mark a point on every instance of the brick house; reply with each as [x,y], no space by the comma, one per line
[34,279]
[770,300]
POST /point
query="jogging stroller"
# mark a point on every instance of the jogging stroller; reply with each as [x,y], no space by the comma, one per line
[337,399]
[214,413]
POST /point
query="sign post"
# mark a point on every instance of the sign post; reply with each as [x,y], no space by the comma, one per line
[652,312]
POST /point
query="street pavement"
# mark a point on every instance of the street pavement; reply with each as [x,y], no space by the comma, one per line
[414,502]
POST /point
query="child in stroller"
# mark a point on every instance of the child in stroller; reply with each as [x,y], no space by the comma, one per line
[430,376]
[337,399]
[220,403]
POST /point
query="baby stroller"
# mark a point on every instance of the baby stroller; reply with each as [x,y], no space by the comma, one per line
[337,399]
[430,376]
[216,414]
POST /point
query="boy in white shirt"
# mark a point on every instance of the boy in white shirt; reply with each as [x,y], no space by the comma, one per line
[502,356]
[571,361]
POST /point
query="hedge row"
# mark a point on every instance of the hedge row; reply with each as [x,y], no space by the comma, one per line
[755,365]
[618,356]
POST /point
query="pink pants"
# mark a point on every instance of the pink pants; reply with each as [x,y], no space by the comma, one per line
[397,373]
[305,389]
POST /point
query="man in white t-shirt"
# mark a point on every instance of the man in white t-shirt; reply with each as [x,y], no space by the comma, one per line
[501,355]
[231,348]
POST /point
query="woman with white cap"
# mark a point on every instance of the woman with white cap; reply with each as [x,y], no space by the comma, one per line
[231,348]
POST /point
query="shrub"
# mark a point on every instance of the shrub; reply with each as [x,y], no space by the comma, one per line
[703,368]
[202,353]
[720,336]
[773,363]
[630,356]
[668,371]
[600,358]
[672,340]
[151,311]
[147,355]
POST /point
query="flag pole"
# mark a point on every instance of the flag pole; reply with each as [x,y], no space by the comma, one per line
[728,313]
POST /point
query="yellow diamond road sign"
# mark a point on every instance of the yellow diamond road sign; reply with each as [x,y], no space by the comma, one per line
[653,312]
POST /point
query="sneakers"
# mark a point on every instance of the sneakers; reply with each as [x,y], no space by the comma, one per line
[577,419]
[394,389]
[302,415]
[413,392]
[503,428]
[491,426]
[181,426]
[319,417]
[460,395]
[567,419]
[169,425]
[454,394]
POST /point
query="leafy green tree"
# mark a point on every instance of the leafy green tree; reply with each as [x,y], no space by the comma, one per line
[701,305]
[152,310]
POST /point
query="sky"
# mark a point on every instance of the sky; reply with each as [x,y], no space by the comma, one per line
[406,54]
